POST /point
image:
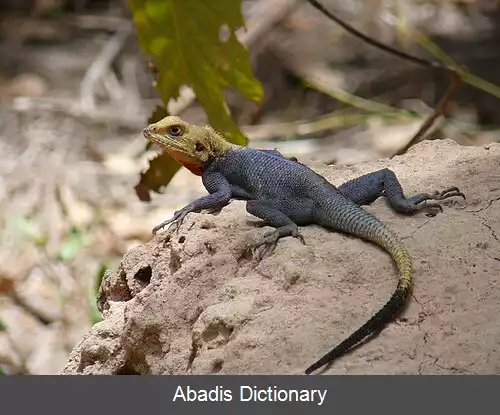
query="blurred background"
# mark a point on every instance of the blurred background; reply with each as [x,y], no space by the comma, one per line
[76,91]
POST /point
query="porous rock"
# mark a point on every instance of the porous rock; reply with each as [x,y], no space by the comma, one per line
[197,302]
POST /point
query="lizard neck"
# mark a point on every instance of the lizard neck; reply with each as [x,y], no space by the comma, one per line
[222,153]
[217,144]
[216,147]
[193,166]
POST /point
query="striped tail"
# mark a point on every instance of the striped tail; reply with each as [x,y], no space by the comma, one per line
[368,227]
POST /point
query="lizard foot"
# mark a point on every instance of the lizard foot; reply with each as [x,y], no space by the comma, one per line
[432,209]
[175,222]
[270,239]
[273,236]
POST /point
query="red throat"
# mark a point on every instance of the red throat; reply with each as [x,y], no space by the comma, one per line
[193,167]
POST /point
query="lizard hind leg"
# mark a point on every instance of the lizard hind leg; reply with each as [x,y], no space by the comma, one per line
[369,187]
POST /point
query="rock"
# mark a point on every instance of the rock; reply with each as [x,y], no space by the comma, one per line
[197,303]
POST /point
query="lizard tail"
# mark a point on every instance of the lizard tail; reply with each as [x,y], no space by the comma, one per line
[383,237]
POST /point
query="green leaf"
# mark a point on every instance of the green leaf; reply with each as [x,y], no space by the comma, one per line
[158,114]
[100,275]
[73,243]
[95,314]
[193,43]
[2,326]
[161,170]
[29,229]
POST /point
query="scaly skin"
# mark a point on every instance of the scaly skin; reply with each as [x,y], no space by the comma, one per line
[285,193]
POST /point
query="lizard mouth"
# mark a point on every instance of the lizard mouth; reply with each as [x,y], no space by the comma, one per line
[161,141]
[173,148]
[151,136]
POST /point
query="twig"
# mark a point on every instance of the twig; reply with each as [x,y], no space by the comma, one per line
[69,107]
[98,22]
[99,67]
[439,110]
[325,80]
[377,44]
[112,85]
[283,130]
[452,73]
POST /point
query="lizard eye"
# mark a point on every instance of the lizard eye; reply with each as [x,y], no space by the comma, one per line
[175,130]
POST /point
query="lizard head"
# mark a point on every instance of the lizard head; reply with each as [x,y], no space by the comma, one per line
[192,146]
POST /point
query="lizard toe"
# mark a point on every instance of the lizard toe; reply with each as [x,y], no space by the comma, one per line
[432,209]
[160,226]
[269,241]
[269,238]
[450,192]
[175,222]
[299,236]
[175,226]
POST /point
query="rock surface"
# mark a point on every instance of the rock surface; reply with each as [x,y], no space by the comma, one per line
[197,303]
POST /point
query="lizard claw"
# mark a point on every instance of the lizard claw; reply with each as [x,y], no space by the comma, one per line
[270,239]
[296,234]
[161,226]
[175,222]
[433,209]
[450,192]
[300,238]
[273,236]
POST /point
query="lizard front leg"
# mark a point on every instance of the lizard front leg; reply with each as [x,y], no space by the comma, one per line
[369,187]
[220,195]
[282,214]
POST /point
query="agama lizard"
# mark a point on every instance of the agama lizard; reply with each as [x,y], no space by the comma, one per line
[287,194]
